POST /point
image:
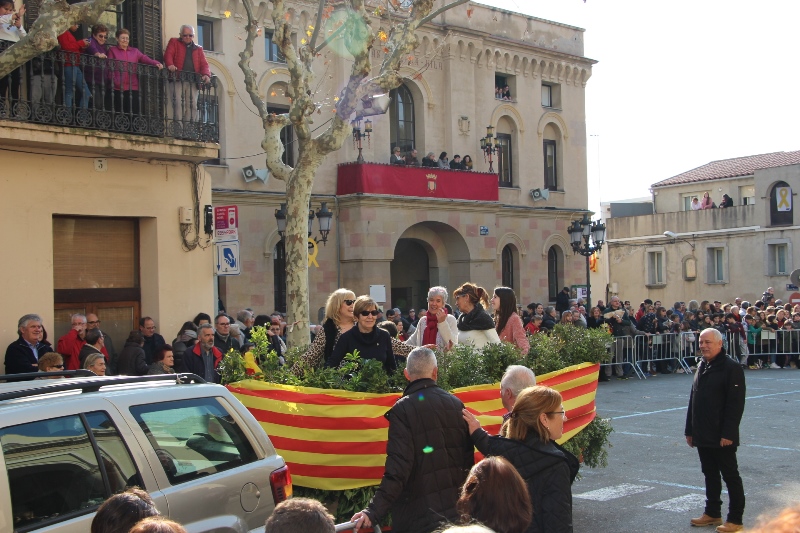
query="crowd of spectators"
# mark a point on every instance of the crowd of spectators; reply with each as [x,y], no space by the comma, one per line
[430,160]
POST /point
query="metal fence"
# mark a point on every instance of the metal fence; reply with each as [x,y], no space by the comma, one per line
[78,90]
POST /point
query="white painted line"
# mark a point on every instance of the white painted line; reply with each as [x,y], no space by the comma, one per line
[635,434]
[679,485]
[772,448]
[612,493]
[685,407]
[681,504]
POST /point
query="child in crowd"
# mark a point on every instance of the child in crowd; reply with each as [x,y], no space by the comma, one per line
[532,328]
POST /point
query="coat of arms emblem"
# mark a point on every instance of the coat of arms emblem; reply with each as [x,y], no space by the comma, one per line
[431,183]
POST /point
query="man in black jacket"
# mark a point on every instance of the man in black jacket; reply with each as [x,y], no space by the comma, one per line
[23,354]
[716,405]
[562,300]
[428,454]
[223,340]
[152,340]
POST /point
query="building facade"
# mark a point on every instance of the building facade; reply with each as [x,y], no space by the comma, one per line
[91,196]
[681,254]
[404,229]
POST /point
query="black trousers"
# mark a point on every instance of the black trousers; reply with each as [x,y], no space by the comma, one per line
[717,462]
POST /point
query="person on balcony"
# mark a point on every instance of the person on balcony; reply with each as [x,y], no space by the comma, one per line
[396,158]
[429,161]
[466,163]
[184,55]
[96,69]
[706,202]
[456,164]
[72,49]
[124,78]
[695,204]
[411,159]
[727,201]
[443,161]
[11,31]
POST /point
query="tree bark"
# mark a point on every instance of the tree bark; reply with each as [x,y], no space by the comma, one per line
[55,17]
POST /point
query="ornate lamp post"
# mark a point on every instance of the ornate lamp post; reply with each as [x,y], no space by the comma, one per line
[323,215]
[357,136]
[586,238]
[489,146]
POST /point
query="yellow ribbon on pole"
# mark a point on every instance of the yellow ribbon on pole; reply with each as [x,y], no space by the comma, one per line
[313,250]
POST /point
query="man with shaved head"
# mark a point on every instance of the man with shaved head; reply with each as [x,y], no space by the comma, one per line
[428,454]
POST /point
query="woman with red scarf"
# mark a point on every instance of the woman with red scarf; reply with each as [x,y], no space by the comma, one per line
[436,328]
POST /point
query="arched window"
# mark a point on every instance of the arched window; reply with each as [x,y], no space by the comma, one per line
[279,276]
[401,119]
[553,268]
[508,266]
[781,205]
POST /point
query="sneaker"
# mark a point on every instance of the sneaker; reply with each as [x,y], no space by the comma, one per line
[730,527]
[706,520]
[773,365]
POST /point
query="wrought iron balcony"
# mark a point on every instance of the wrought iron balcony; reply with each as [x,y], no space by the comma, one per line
[83,91]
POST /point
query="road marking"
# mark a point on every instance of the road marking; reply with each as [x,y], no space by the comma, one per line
[684,408]
[635,434]
[681,504]
[679,485]
[611,493]
[772,447]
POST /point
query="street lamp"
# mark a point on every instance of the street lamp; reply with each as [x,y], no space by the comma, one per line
[357,136]
[587,237]
[323,215]
[489,146]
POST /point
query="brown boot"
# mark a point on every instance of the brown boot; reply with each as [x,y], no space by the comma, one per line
[706,520]
[730,527]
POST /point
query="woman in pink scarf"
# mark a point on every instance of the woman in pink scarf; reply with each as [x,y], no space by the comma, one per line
[437,328]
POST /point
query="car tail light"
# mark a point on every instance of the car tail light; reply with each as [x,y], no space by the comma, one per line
[281,482]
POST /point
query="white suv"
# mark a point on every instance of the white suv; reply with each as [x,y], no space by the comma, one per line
[66,445]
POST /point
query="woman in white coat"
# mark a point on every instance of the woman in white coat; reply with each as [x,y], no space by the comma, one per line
[475,326]
[436,327]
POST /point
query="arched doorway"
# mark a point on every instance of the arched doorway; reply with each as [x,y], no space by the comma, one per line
[427,254]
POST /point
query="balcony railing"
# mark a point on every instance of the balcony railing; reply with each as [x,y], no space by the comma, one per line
[76,90]
[396,180]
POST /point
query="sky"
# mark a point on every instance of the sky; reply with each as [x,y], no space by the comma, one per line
[679,84]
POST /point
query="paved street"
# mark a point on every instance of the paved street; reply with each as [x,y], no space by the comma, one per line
[653,482]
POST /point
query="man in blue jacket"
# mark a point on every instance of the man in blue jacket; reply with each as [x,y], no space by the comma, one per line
[716,405]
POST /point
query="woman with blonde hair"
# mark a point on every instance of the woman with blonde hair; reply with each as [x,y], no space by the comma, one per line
[475,326]
[527,441]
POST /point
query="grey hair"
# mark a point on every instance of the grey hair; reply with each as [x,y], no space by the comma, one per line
[243,315]
[516,378]
[437,291]
[717,334]
[421,363]
[77,315]
[91,359]
[202,327]
[549,310]
[23,321]
[186,26]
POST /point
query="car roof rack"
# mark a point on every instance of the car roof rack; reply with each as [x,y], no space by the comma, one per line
[93,384]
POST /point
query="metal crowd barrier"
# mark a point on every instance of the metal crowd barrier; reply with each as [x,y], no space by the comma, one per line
[769,345]
[623,357]
[663,347]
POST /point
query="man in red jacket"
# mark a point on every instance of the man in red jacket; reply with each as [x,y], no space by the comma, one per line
[70,344]
[184,55]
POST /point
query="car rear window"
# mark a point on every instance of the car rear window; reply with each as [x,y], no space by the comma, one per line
[64,467]
[193,438]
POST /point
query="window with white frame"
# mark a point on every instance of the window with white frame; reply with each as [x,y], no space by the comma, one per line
[655,267]
[778,259]
[747,194]
[717,264]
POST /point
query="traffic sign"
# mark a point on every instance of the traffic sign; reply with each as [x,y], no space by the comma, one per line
[795,298]
[226,223]
[226,258]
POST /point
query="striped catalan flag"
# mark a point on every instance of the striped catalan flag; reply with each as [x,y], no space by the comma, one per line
[336,440]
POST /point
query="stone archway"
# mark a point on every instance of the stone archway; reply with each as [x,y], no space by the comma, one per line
[425,255]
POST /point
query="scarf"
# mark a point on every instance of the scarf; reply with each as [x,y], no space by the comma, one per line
[477,319]
[431,329]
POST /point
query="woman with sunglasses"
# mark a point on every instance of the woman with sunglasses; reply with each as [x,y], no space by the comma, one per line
[339,319]
[96,71]
[371,341]
[528,441]
[51,362]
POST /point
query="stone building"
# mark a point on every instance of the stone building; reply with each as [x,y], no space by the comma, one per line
[404,228]
[711,254]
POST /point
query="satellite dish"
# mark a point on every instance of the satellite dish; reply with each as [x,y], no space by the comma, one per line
[795,277]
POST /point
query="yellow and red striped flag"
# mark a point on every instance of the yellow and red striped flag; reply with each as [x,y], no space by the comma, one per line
[336,440]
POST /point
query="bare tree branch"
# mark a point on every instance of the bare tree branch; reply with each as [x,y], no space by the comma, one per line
[55,17]
[441,10]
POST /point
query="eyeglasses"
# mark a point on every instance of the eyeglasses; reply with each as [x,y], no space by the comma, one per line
[187,35]
[58,366]
[562,413]
[93,322]
[367,313]
[349,302]
[224,324]
[101,36]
